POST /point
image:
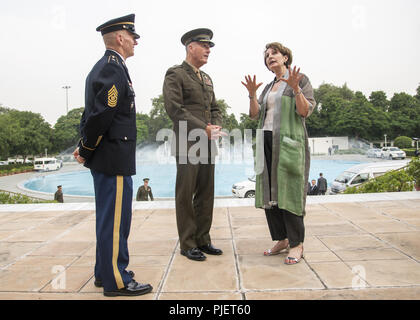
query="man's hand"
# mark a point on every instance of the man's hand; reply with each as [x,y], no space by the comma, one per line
[214,132]
[77,156]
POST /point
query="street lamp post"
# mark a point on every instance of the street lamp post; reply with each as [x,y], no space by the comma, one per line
[385,139]
[67,98]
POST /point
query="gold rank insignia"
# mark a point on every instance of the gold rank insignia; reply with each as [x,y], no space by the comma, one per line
[112,97]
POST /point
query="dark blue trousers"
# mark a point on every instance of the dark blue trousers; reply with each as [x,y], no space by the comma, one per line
[113,197]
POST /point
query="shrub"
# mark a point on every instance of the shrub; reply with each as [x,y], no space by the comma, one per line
[15,168]
[6,198]
[403,142]
[414,170]
[393,181]
[409,152]
[350,151]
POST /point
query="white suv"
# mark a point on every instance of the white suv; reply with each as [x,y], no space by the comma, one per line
[392,153]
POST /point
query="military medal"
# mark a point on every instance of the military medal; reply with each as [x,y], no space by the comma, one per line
[207,80]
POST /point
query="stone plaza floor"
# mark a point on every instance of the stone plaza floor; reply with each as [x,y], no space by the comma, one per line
[356,247]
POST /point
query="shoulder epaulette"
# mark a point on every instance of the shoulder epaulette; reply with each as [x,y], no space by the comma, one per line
[114,59]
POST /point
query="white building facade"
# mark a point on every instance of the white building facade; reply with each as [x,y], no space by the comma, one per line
[327,145]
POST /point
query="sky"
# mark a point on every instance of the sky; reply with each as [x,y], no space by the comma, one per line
[370,45]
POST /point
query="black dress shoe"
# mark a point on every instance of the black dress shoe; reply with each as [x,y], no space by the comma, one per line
[209,249]
[98,282]
[194,254]
[132,289]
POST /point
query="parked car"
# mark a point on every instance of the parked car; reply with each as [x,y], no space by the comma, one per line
[244,189]
[4,163]
[363,172]
[374,153]
[392,153]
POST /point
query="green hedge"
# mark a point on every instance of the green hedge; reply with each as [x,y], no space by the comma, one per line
[350,151]
[392,181]
[409,152]
[6,198]
[16,168]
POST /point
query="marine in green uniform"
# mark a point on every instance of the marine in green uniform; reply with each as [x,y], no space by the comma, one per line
[144,191]
[58,196]
[191,104]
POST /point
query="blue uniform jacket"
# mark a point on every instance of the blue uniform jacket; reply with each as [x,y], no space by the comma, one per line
[108,124]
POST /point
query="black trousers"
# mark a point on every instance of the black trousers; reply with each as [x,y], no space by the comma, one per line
[281,223]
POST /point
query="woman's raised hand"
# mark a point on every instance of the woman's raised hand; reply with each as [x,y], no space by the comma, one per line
[294,78]
[251,85]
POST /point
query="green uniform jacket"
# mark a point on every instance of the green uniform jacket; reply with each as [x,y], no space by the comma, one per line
[191,104]
[143,194]
[58,196]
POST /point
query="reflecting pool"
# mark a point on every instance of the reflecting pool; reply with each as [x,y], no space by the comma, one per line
[162,178]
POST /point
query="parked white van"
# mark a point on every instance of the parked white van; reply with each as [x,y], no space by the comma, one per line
[47,164]
[364,172]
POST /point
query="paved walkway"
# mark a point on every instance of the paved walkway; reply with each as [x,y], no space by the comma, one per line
[356,247]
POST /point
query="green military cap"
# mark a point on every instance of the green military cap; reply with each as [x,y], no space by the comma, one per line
[122,23]
[198,35]
[146,179]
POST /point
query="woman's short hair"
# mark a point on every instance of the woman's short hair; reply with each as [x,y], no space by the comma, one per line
[282,49]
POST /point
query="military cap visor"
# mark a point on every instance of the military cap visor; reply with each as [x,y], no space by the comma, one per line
[122,23]
[198,35]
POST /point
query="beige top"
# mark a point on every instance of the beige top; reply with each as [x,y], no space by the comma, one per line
[269,115]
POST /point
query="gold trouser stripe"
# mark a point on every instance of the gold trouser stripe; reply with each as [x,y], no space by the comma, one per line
[116,240]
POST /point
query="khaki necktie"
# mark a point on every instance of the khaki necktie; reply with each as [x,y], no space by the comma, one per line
[197,72]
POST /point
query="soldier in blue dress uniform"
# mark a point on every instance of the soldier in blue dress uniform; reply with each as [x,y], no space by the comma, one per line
[107,146]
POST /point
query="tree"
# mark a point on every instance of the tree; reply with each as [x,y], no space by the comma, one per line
[315,124]
[331,101]
[142,122]
[159,119]
[247,123]
[379,100]
[354,119]
[404,112]
[229,121]
[6,134]
[29,133]
[417,96]
[66,131]
[380,124]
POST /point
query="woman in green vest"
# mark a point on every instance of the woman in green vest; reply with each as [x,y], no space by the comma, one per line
[282,155]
